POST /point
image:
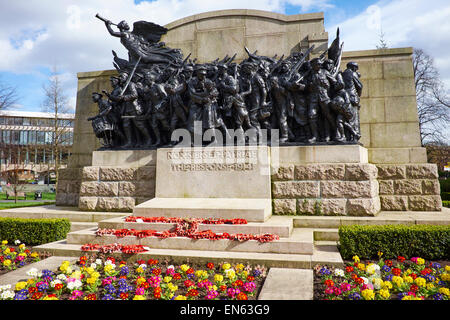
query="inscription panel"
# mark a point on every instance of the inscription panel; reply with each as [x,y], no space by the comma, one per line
[213,172]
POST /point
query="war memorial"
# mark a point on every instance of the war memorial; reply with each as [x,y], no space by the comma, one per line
[243,134]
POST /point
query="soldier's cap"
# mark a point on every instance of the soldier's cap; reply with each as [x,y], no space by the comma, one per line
[248,64]
[97,94]
[352,64]
[200,67]
[188,68]
[222,66]
[315,61]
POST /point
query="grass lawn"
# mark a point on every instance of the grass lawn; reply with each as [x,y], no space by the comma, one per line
[30,196]
[20,204]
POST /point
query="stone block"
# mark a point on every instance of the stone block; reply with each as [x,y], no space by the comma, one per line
[61,199]
[89,188]
[328,207]
[107,189]
[401,109]
[397,68]
[425,203]
[349,189]
[73,187]
[388,155]
[271,44]
[282,173]
[363,207]
[386,187]
[127,189]
[399,87]
[372,110]
[117,174]
[431,187]
[399,134]
[145,188]
[146,173]
[391,172]
[107,204]
[394,203]
[295,189]
[407,187]
[358,172]
[418,155]
[126,203]
[319,154]
[87,203]
[69,174]
[422,171]
[284,206]
[90,174]
[320,172]
[216,43]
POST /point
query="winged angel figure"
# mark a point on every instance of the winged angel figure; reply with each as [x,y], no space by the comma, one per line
[144,42]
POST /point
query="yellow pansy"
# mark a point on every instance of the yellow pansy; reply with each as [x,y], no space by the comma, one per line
[421,282]
[218,278]
[138,297]
[184,267]
[226,266]
[180,297]
[355,258]
[384,293]
[368,294]
[167,279]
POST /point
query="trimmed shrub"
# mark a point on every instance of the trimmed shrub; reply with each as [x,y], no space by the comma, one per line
[445,185]
[33,231]
[425,241]
[445,196]
[446,203]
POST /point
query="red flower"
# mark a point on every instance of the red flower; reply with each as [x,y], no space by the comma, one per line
[396,271]
[93,296]
[83,258]
[414,288]
[32,289]
[242,296]
[152,261]
[140,261]
[349,269]
[157,290]
[210,265]
[238,283]
[145,285]
[123,262]
[12,249]
[188,283]
[329,283]
[124,295]
[223,288]
[388,263]
[177,276]
[189,271]
[156,271]
[354,276]
[111,259]
[359,280]
[401,259]
[58,286]
[413,275]
[425,271]
[37,295]
[192,293]
[250,278]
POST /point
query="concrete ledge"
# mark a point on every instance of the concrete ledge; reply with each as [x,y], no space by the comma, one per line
[319,154]
[253,210]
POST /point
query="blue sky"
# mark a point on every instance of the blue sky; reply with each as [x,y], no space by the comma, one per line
[37,35]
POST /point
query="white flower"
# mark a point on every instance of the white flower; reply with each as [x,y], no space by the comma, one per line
[98,262]
[366,281]
[143,266]
[171,267]
[93,266]
[8,294]
[5,287]
[55,282]
[139,220]
[339,272]
[74,285]
[17,242]
[33,272]
[61,277]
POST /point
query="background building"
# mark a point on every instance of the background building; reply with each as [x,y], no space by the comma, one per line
[33,143]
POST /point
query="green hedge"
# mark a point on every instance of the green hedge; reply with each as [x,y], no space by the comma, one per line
[446,203]
[445,185]
[445,196]
[33,231]
[425,241]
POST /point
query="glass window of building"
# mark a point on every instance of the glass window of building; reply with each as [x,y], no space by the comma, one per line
[26,121]
[40,138]
[32,137]
[15,137]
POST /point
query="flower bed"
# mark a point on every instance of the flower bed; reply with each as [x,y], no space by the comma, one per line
[99,278]
[398,279]
[17,256]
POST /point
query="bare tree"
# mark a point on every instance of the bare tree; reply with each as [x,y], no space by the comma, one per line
[56,103]
[8,96]
[433,100]
[382,44]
